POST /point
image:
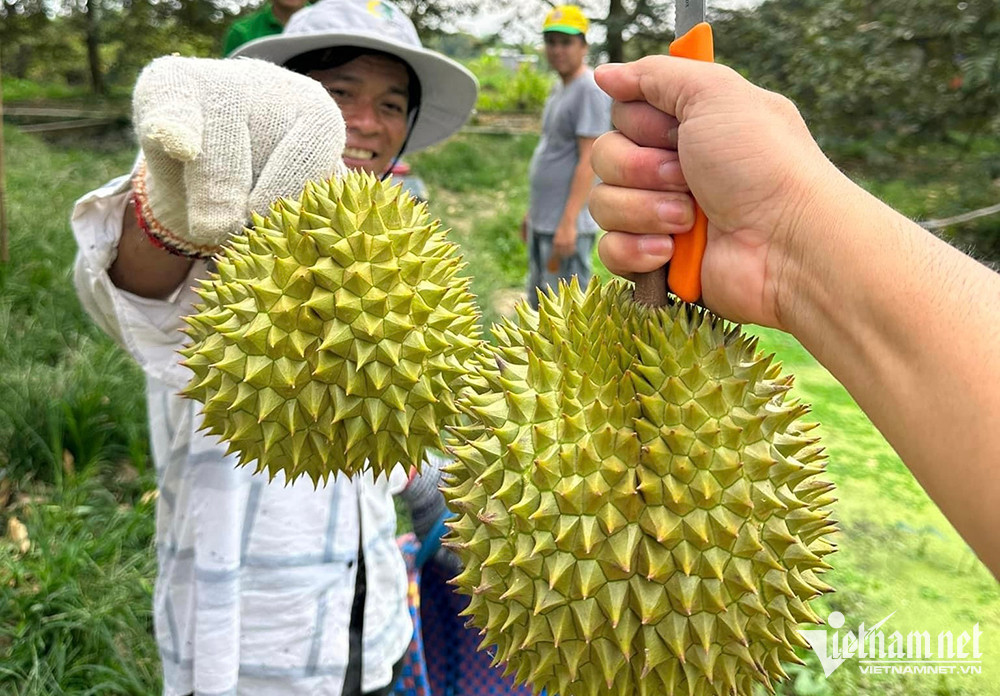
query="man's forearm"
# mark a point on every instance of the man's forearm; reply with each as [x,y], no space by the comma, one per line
[579,191]
[142,268]
[862,300]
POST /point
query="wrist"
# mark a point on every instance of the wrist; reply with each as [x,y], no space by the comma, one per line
[567,225]
[153,228]
[827,259]
[141,267]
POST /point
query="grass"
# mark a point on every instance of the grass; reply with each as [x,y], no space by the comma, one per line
[479,189]
[19,90]
[896,551]
[63,384]
[75,607]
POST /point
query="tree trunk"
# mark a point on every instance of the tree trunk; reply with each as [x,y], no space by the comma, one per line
[93,46]
[616,24]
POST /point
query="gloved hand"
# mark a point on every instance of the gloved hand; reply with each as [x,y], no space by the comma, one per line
[426,504]
[222,138]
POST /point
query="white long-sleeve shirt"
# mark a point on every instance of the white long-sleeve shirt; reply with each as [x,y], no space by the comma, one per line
[256,580]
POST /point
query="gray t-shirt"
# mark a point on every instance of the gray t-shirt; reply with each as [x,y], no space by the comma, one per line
[577,110]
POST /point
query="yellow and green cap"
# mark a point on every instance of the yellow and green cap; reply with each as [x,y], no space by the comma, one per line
[566,19]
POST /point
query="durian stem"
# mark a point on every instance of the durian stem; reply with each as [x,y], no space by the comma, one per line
[651,288]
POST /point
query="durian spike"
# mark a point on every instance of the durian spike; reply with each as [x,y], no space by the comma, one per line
[340,319]
[628,484]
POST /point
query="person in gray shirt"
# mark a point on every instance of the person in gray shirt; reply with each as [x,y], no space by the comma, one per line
[558,227]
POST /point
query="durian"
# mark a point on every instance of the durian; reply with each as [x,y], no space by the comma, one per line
[333,333]
[637,503]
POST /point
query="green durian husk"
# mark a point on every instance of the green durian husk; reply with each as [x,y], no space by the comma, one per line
[333,334]
[637,503]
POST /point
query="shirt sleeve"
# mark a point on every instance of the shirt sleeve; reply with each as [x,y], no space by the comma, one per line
[234,39]
[148,329]
[594,116]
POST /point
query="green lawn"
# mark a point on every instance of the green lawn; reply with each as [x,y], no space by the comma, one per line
[75,608]
[896,551]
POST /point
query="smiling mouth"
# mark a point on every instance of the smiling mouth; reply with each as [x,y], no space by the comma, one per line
[356,153]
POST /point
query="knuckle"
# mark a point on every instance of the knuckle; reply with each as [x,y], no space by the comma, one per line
[634,163]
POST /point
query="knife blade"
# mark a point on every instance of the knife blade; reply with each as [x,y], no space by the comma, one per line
[688,14]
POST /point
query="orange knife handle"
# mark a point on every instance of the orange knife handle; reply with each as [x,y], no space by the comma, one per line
[696,44]
[684,276]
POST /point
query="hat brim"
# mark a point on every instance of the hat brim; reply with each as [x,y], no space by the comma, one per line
[562,29]
[448,90]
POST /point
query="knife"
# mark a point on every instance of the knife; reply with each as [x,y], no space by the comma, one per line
[694,40]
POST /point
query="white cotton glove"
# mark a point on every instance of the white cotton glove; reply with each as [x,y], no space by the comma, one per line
[222,138]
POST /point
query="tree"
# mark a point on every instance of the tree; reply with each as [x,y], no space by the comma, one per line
[435,17]
[93,39]
[103,42]
[638,28]
[23,28]
[890,69]
[632,28]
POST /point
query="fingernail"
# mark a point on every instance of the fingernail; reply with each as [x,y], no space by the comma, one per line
[670,171]
[672,211]
[655,245]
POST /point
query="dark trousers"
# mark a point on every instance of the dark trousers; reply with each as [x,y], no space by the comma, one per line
[352,680]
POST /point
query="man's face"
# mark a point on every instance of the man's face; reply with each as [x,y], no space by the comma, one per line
[565,52]
[372,93]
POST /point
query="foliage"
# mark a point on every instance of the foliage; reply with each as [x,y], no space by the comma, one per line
[17,89]
[931,180]
[76,607]
[637,28]
[502,89]
[47,41]
[883,71]
[27,37]
[479,187]
[432,17]
[631,28]
[63,386]
[880,72]
[458,45]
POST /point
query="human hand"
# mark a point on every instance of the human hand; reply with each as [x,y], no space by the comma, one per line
[524,228]
[564,240]
[744,153]
[426,505]
[222,138]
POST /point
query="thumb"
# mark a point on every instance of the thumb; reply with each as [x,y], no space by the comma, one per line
[670,84]
[178,140]
[166,109]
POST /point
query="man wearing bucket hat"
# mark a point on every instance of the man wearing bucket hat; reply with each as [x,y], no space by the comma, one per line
[558,227]
[262,588]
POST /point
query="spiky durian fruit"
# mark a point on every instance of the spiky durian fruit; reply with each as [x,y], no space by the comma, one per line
[637,505]
[334,333]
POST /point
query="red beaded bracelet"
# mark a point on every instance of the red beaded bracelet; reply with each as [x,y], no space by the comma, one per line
[157,234]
